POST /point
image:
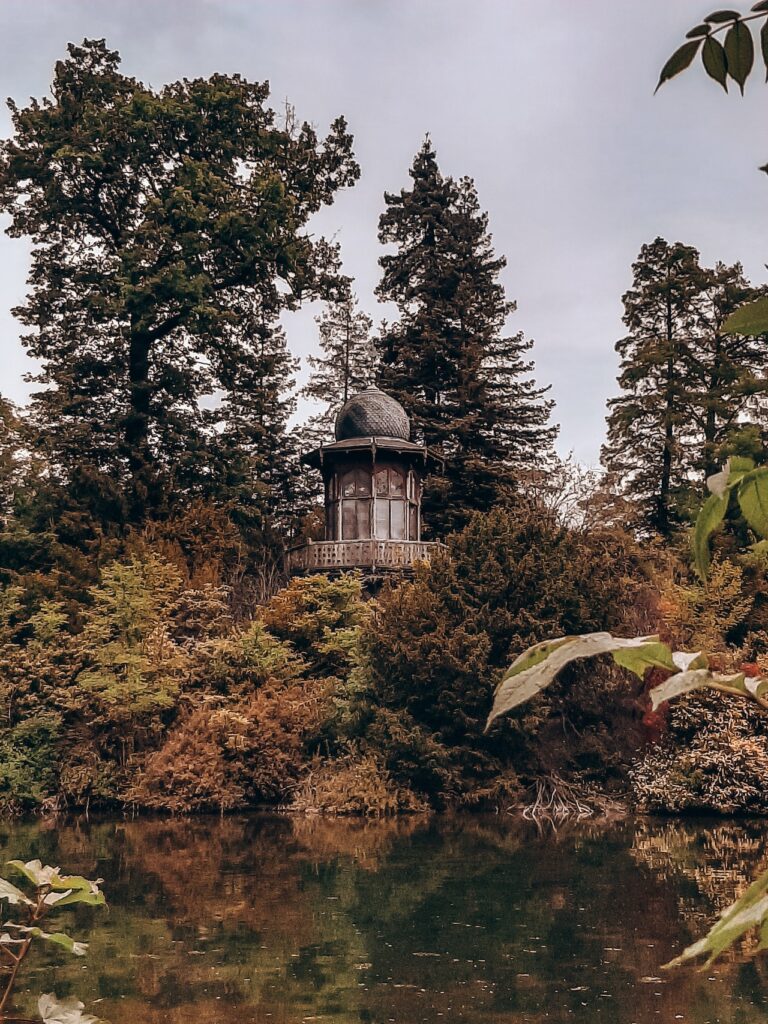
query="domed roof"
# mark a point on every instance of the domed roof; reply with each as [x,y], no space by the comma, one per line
[372,413]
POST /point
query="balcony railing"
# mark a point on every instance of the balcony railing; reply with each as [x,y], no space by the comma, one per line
[327,555]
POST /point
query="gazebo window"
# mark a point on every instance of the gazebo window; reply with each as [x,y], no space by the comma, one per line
[356,483]
[380,502]
[356,504]
[391,504]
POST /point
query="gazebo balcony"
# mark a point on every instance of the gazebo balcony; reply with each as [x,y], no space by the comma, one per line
[370,555]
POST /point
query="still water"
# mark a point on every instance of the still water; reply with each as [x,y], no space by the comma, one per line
[479,920]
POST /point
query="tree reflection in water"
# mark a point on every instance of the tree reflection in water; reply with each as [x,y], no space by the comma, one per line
[483,920]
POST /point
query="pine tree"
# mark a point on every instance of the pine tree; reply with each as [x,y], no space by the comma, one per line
[466,386]
[686,387]
[11,457]
[649,436]
[346,365]
[254,458]
[151,213]
[727,385]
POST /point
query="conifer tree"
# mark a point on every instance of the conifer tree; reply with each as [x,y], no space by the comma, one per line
[255,460]
[686,387]
[727,385]
[465,384]
[649,436]
[346,364]
[151,213]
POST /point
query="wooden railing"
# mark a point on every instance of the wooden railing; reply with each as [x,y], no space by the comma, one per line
[325,555]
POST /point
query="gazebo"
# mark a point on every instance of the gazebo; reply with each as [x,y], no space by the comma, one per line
[372,474]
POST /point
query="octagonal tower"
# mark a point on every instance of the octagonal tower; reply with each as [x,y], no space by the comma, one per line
[372,475]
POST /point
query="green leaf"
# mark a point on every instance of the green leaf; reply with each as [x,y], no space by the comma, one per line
[9,892]
[738,465]
[685,660]
[715,63]
[750,319]
[51,878]
[709,518]
[752,496]
[735,469]
[67,898]
[677,685]
[698,31]
[764,47]
[740,53]
[747,912]
[535,655]
[518,686]
[58,938]
[639,659]
[76,882]
[693,679]
[678,62]
[761,6]
[34,871]
[720,17]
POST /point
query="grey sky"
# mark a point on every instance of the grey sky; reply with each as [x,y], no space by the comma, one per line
[547,104]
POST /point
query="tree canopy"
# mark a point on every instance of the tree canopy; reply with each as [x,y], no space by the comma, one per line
[159,220]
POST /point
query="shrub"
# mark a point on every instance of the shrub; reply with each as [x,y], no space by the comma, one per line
[355,783]
[436,648]
[227,754]
[320,617]
[29,762]
[715,759]
[713,754]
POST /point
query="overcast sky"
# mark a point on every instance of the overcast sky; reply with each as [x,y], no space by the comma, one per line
[547,104]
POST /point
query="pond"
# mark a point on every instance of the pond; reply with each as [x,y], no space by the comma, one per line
[483,920]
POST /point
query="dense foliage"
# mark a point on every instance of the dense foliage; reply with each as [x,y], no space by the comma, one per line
[168,233]
[153,653]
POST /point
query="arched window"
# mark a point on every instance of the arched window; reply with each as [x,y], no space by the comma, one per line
[355,487]
[391,504]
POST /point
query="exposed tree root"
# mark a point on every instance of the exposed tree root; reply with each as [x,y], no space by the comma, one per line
[556,801]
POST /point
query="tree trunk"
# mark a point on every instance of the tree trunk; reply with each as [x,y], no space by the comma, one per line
[710,424]
[665,484]
[137,425]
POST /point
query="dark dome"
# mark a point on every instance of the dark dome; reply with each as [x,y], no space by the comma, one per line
[372,413]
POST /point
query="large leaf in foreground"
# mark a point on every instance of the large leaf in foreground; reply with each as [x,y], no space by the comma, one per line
[73,888]
[749,911]
[537,667]
[694,679]
[753,500]
[58,938]
[63,1011]
[9,892]
[750,319]
[709,518]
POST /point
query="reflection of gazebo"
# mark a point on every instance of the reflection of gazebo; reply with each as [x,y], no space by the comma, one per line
[372,474]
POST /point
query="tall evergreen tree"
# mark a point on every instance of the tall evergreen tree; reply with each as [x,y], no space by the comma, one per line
[727,382]
[255,461]
[346,364]
[686,387]
[648,430]
[466,385]
[152,213]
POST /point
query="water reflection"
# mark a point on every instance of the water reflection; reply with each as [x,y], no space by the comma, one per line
[444,919]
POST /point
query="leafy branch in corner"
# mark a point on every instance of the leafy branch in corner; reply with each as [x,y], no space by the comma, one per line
[48,893]
[749,484]
[734,57]
[534,670]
